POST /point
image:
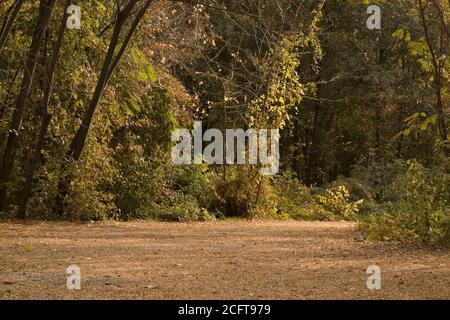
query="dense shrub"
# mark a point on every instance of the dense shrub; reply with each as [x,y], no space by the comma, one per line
[293,198]
[337,200]
[421,211]
[141,147]
[371,182]
[238,193]
[298,202]
[196,181]
[180,207]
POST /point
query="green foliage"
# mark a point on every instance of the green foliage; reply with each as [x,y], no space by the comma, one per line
[195,181]
[296,201]
[284,88]
[236,195]
[293,198]
[180,207]
[337,201]
[87,200]
[421,211]
[371,182]
[141,146]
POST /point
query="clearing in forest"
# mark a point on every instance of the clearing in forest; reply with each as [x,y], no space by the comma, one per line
[214,260]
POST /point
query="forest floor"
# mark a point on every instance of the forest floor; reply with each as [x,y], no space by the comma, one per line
[214,260]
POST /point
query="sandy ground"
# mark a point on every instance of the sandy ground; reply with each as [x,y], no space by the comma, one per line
[218,260]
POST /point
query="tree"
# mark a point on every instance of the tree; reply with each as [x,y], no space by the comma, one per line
[43,21]
[9,20]
[439,50]
[109,64]
[34,161]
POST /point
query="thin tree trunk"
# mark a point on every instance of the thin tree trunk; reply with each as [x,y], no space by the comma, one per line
[45,13]
[9,94]
[297,162]
[313,150]
[31,166]
[381,59]
[34,162]
[258,195]
[439,100]
[437,66]
[400,128]
[9,20]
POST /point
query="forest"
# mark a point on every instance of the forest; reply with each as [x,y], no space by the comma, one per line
[91,92]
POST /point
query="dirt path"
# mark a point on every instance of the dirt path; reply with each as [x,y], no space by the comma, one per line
[221,260]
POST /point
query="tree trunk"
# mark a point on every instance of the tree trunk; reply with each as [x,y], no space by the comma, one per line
[34,162]
[45,13]
[314,149]
[9,20]
[9,96]
[31,166]
[437,67]
[109,65]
